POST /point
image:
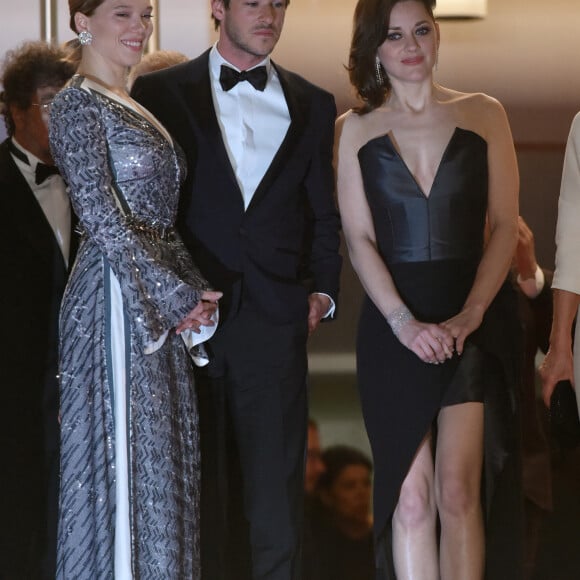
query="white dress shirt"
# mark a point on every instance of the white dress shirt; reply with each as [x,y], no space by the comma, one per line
[253,123]
[52,198]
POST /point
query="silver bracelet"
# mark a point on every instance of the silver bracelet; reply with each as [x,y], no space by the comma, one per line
[398,318]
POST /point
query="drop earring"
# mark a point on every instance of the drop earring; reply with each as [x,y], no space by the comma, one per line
[85,37]
[379,76]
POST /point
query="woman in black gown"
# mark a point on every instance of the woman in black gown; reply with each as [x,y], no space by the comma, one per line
[421,169]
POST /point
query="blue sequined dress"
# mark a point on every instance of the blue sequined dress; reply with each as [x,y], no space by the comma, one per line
[129,493]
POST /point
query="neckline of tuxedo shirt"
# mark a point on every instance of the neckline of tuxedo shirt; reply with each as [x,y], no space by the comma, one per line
[253,123]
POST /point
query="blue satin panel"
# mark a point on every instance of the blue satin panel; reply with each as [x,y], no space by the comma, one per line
[447,224]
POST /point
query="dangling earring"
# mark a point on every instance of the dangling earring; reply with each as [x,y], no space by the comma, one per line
[437,60]
[379,72]
[85,37]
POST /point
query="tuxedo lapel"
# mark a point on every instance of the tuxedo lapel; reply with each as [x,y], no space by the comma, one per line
[299,113]
[24,209]
[197,92]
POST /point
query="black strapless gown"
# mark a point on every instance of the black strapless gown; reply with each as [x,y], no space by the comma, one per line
[432,246]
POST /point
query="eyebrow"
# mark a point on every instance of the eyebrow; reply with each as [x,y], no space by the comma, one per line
[416,24]
[115,6]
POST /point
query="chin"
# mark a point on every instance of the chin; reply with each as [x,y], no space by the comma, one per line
[136,60]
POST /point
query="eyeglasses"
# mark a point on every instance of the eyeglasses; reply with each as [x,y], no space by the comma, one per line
[44,107]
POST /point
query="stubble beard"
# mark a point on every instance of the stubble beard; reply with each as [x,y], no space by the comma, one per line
[238,42]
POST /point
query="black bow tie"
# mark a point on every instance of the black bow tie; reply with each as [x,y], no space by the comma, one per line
[257,77]
[44,172]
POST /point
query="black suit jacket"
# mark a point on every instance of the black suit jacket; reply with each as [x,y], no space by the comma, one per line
[285,245]
[33,279]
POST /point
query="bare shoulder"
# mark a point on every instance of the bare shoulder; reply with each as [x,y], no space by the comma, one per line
[354,130]
[346,125]
[478,112]
[480,103]
[344,119]
[475,104]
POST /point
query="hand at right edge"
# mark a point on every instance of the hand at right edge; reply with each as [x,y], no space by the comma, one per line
[558,365]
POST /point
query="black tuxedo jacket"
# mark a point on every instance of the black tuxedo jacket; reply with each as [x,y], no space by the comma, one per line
[33,279]
[285,244]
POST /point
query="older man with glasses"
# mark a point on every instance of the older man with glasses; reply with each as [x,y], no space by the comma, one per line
[38,244]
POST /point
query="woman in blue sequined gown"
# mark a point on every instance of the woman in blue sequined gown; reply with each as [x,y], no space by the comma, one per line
[421,169]
[134,310]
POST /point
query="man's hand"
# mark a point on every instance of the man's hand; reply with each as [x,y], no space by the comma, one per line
[318,305]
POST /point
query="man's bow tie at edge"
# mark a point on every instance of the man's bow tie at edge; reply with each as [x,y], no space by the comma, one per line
[257,77]
[44,172]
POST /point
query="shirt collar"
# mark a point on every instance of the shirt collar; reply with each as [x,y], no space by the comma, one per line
[28,169]
[32,159]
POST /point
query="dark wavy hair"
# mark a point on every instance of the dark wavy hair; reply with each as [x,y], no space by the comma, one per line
[27,68]
[370,26]
[216,23]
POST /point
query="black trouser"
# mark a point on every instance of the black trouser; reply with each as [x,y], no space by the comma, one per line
[253,409]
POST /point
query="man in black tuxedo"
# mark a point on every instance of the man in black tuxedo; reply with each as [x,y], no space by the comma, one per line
[37,247]
[259,218]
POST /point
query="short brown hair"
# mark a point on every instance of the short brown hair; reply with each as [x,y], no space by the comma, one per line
[371,23]
[27,68]
[216,22]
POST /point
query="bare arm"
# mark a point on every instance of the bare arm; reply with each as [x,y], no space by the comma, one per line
[503,221]
[429,342]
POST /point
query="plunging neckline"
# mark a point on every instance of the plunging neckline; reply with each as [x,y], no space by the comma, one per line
[134,107]
[425,194]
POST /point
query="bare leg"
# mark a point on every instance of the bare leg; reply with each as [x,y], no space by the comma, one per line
[414,541]
[458,469]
